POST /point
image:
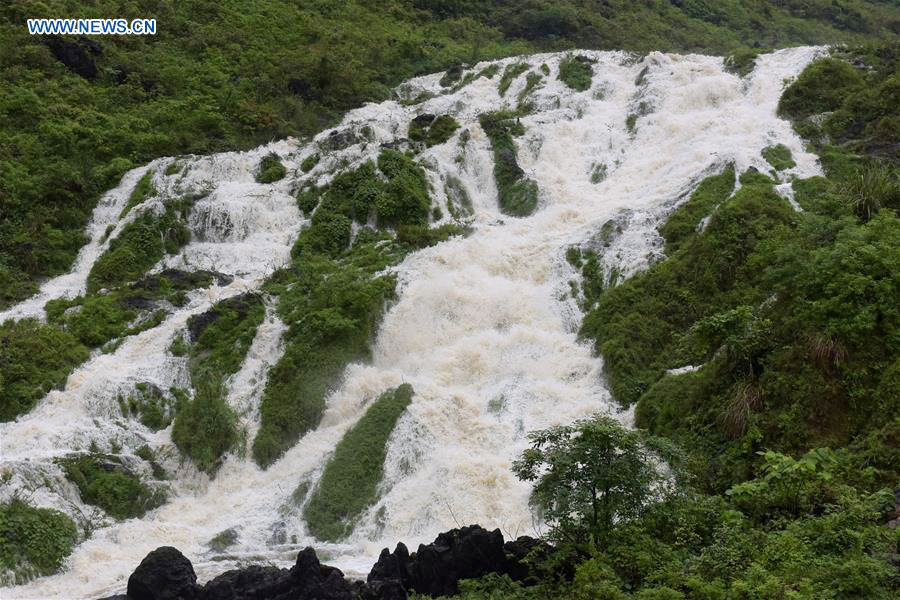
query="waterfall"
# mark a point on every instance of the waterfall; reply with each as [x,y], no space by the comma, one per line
[484,327]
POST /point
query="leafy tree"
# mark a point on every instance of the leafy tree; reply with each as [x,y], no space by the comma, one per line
[591,475]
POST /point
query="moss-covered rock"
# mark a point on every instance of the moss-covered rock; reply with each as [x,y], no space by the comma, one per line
[683,222]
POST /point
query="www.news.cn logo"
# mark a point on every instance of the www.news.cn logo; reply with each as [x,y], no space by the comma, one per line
[92,26]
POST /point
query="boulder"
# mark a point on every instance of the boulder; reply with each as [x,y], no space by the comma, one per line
[164,574]
[437,568]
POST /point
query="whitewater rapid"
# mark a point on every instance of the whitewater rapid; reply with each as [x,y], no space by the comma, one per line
[485,327]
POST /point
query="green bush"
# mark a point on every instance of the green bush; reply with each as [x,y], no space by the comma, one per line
[779,156]
[517,194]
[142,190]
[821,87]
[104,482]
[742,62]
[139,246]
[437,132]
[310,162]
[205,427]
[576,72]
[34,359]
[510,73]
[33,541]
[349,484]
[332,307]
[270,169]
[685,220]
[151,406]
[422,236]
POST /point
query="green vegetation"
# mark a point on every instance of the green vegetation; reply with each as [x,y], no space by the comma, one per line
[270,169]
[349,484]
[69,133]
[97,319]
[34,359]
[33,541]
[140,245]
[143,190]
[432,130]
[332,305]
[510,73]
[206,428]
[310,162]
[103,481]
[685,220]
[517,194]
[589,476]
[576,72]
[421,236]
[150,405]
[792,318]
[532,82]
[742,62]
[803,528]
[779,156]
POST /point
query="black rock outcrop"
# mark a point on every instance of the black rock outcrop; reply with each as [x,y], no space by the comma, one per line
[434,569]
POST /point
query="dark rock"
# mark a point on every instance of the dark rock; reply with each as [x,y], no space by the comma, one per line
[138,303]
[75,54]
[319,582]
[251,583]
[241,304]
[338,140]
[164,574]
[436,569]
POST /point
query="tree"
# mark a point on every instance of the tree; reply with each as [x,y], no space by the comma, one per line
[592,475]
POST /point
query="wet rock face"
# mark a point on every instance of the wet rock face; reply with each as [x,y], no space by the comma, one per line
[164,574]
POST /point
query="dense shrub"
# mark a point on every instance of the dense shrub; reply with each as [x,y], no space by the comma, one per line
[33,541]
[104,482]
[779,156]
[139,246]
[205,427]
[517,194]
[349,484]
[270,169]
[576,72]
[685,220]
[332,307]
[142,190]
[821,87]
[34,359]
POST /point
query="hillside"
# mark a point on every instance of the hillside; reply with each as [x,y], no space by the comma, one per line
[231,75]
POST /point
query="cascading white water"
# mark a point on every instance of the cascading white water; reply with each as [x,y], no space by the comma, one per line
[484,328]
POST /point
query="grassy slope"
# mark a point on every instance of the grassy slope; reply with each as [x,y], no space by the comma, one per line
[227,75]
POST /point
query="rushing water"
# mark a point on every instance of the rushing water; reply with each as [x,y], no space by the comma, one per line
[485,328]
